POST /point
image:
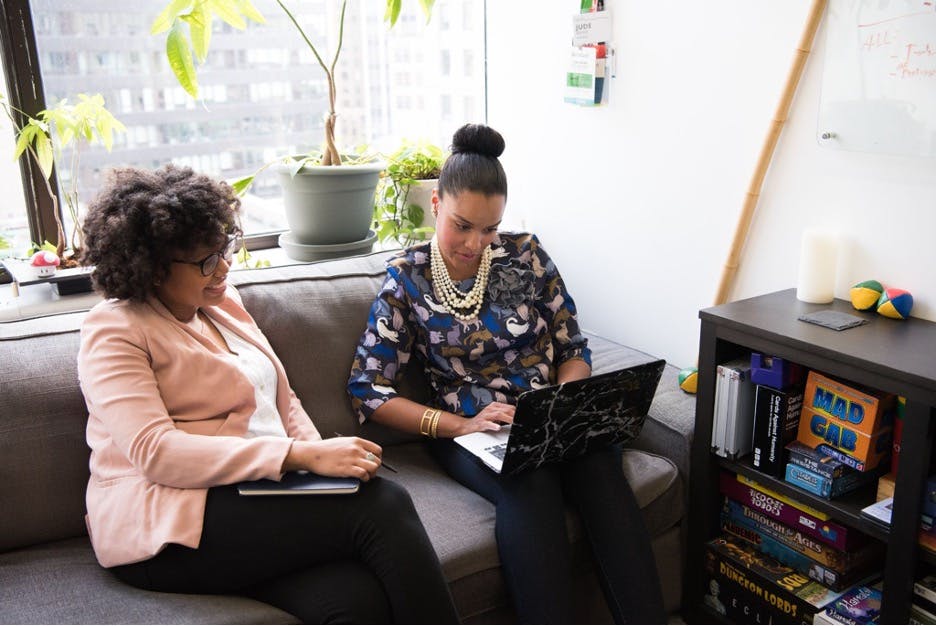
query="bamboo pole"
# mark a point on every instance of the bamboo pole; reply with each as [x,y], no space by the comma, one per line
[766,154]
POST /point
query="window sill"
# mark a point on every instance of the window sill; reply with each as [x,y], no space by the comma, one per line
[40,299]
[36,300]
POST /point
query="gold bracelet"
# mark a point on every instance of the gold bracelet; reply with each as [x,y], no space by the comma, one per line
[434,428]
[425,422]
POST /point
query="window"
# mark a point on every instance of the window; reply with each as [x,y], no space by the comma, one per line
[445,62]
[263,93]
[14,227]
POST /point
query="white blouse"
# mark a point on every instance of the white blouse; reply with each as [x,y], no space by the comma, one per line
[260,371]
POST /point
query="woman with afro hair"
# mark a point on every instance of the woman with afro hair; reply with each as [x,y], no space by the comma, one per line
[186,398]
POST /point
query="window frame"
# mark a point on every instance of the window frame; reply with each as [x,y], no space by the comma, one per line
[25,93]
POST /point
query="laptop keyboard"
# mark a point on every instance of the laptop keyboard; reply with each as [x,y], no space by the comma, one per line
[498,450]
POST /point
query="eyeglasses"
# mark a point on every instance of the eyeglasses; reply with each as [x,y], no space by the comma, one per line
[209,264]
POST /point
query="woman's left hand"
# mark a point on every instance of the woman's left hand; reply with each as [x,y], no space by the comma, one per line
[338,456]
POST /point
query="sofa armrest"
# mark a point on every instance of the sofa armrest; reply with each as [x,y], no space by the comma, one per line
[671,421]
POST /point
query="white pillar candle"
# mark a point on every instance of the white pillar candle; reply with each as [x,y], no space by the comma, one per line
[818,254]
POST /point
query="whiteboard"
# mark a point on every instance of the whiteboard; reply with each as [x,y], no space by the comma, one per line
[879,77]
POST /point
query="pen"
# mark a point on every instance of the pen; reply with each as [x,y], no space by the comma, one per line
[382,462]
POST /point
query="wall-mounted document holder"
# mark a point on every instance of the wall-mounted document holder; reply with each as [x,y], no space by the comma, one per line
[591,59]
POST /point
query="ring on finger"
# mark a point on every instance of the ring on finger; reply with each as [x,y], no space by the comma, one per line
[370,456]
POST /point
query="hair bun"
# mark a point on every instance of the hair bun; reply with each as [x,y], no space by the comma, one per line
[479,139]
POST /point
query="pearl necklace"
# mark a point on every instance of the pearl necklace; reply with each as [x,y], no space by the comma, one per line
[464,306]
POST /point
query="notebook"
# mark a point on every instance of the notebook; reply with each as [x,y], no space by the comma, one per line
[564,421]
[299,483]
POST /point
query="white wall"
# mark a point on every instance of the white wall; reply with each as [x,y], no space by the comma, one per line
[637,201]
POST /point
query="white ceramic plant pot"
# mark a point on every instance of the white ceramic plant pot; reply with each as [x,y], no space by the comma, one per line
[420,194]
[328,205]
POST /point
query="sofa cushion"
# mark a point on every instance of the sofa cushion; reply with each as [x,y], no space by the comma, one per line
[61,583]
[43,453]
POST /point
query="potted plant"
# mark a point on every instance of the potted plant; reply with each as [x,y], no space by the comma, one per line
[402,210]
[325,204]
[47,138]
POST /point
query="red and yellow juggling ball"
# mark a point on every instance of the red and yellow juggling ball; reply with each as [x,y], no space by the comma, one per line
[895,303]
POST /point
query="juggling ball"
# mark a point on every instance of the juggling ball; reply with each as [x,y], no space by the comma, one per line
[895,303]
[865,295]
[689,379]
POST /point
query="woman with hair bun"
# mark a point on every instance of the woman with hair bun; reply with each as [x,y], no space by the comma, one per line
[488,317]
[186,398]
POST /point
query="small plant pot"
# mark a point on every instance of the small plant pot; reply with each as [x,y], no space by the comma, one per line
[420,194]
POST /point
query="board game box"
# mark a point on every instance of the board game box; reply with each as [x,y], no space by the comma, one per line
[854,421]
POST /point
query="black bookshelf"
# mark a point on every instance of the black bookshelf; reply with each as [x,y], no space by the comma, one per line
[885,354]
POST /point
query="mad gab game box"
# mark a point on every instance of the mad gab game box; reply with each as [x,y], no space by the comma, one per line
[853,421]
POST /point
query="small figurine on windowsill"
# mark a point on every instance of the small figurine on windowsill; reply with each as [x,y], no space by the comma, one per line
[45,263]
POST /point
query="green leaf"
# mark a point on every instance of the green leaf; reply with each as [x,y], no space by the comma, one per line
[427,8]
[180,60]
[385,230]
[414,213]
[44,152]
[35,134]
[229,11]
[294,165]
[241,185]
[165,20]
[199,23]
[393,11]
[107,124]
[22,141]
[242,255]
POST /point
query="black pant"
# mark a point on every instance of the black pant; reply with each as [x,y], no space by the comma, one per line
[362,558]
[532,539]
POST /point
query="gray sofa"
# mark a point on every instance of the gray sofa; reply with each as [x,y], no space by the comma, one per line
[313,315]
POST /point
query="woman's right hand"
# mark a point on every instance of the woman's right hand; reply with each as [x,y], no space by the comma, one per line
[338,456]
[491,417]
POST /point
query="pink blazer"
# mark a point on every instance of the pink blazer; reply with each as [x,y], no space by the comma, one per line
[168,411]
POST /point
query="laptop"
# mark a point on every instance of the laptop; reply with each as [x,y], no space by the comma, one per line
[564,421]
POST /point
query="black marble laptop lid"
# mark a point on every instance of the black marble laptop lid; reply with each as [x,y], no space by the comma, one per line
[564,421]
